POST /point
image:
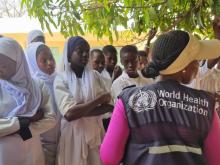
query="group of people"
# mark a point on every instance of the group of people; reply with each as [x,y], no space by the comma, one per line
[87,110]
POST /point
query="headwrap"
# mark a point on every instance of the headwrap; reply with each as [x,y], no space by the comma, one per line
[73,43]
[25,92]
[31,56]
[82,90]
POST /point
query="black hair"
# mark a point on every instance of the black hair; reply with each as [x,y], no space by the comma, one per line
[98,51]
[141,53]
[127,49]
[109,49]
[40,48]
[165,51]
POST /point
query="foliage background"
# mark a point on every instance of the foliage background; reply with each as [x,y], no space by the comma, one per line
[104,17]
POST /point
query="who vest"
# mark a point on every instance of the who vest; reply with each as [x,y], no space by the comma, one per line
[168,124]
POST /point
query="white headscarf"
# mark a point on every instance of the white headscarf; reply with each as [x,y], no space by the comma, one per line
[33,34]
[31,57]
[87,78]
[21,87]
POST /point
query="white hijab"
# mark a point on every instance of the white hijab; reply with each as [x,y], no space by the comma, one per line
[87,79]
[33,34]
[21,87]
[31,56]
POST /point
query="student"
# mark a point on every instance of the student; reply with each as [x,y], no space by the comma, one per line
[98,64]
[42,65]
[35,36]
[98,60]
[111,71]
[82,99]
[167,122]
[25,108]
[130,75]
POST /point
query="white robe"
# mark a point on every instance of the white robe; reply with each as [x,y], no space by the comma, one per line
[80,139]
[49,139]
[211,82]
[13,150]
[203,71]
[124,81]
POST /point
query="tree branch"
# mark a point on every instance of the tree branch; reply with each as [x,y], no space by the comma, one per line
[182,16]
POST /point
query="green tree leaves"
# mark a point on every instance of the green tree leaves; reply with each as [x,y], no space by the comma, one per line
[103,17]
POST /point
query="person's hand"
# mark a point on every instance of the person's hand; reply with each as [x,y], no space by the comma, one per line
[117,72]
[216,27]
[105,98]
[38,116]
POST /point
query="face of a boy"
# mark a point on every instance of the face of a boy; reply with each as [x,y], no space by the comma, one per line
[98,62]
[7,67]
[110,61]
[46,62]
[130,62]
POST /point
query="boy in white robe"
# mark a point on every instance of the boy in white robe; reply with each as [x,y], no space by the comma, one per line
[112,70]
[130,75]
[98,64]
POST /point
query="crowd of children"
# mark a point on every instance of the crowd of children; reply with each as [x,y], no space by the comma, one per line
[58,114]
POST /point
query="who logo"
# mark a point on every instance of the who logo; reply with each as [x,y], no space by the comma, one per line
[143,100]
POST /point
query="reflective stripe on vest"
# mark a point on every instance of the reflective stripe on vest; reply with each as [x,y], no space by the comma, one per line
[174,148]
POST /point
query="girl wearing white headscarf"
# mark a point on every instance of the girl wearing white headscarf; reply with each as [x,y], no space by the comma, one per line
[25,108]
[38,54]
[81,98]
[35,36]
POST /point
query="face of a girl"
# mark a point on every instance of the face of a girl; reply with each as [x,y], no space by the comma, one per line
[45,61]
[80,55]
[7,67]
